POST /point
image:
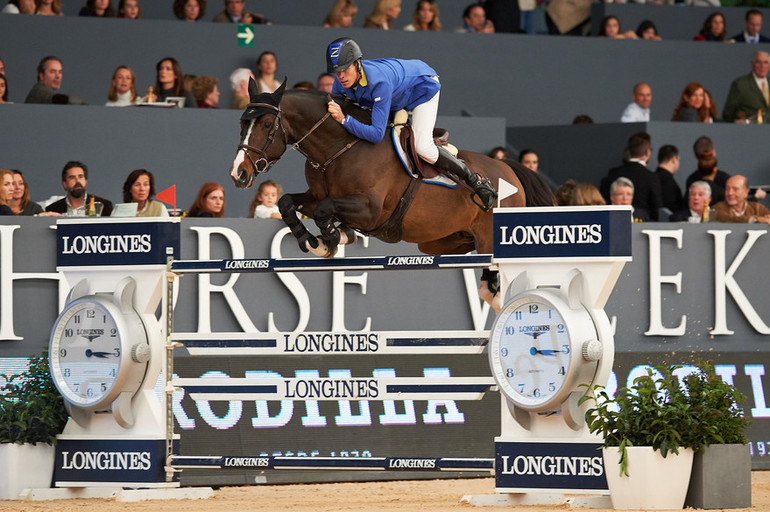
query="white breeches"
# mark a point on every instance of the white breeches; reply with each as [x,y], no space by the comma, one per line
[423,122]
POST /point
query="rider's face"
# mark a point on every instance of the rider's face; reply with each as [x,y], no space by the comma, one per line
[349,77]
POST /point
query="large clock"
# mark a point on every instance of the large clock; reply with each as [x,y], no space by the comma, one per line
[541,349]
[99,352]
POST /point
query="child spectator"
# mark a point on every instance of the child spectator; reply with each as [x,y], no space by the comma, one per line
[129,9]
[210,201]
[265,202]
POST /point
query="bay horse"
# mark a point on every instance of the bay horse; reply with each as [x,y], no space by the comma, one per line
[354,185]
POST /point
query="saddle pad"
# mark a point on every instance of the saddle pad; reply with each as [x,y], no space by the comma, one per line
[400,120]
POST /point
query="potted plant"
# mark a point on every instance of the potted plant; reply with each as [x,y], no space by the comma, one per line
[649,439]
[32,413]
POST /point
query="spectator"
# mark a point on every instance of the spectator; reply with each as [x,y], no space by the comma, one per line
[753,25]
[711,106]
[139,188]
[49,77]
[638,111]
[234,13]
[425,17]
[736,208]
[48,7]
[698,199]
[206,92]
[383,13]
[707,169]
[527,8]
[123,88]
[267,65]
[2,67]
[610,27]
[19,7]
[6,191]
[568,17]
[98,8]
[169,83]
[498,153]
[189,10]
[668,164]
[564,193]
[504,15]
[210,201]
[3,89]
[239,83]
[749,93]
[129,9]
[622,193]
[74,179]
[475,20]
[304,85]
[714,28]
[20,202]
[585,194]
[647,195]
[647,30]
[341,14]
[528,158]
[325,82]
[187,81]
[265,202]
[582,119]
[692,106]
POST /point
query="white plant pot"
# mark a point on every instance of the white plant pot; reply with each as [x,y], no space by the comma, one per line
[653,483]
[25,466]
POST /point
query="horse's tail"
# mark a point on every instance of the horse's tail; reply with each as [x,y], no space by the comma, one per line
[537,191]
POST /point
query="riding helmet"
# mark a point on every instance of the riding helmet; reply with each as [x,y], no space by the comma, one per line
[341,53]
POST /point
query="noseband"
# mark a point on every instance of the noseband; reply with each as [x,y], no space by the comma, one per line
[262,160]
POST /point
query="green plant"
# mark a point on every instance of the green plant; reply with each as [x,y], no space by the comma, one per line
[31,408]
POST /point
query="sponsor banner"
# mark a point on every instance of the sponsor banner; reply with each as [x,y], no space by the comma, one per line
[570,467]
[119,242]
[586,232]
[140,461]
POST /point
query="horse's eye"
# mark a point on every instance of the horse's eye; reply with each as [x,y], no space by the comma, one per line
[267,124]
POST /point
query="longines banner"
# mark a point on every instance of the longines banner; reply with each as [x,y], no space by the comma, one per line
[691,292]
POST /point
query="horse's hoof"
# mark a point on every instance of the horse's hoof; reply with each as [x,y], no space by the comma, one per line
[347,236]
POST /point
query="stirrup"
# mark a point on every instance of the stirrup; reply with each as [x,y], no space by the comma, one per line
[483,183]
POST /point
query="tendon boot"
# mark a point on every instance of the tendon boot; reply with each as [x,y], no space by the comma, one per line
[456,169]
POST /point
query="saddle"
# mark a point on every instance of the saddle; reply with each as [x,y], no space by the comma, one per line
[415,166]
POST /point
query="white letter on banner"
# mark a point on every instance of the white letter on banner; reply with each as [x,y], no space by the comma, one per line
[656,327]
[391,417]
[234,410]
[726,372]
[755,373]
[205,288]
[339,280]
[263,418]
[312,417]
[432,416]
[346,417]
[294,286]
[725,280]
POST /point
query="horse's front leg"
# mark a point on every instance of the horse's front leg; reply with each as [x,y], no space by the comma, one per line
[326,214]
[287,205]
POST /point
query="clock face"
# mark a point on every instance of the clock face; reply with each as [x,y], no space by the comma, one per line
[531,351]
[85,352]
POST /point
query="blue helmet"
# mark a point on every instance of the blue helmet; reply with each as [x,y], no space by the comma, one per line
[341,53]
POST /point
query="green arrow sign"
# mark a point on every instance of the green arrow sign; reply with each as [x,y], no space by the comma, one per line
[245,35]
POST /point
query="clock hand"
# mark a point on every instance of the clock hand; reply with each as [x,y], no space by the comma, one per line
[102,355]
[545,352]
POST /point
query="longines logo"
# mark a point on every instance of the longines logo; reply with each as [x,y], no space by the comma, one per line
[552,465]
[548,235]
[245,462]
[246,264]
[331,342]
[412,463]
[106,461]
[405,261]
[106,244]
[349,389]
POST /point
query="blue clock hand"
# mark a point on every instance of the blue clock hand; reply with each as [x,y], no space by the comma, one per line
[545,352]
[102,355]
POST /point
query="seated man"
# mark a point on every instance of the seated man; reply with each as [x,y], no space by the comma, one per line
[753,25]
[49,77]
[638,111]
[736,207]
[622,193]
[698,199]
[749,93]
[74,178]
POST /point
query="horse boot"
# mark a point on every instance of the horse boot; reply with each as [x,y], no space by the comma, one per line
[456,168]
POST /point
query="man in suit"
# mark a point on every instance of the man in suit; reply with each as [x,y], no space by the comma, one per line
[668,164]
[647,194]
[74,178]
[750,93]
[234,13]
[49,78]
[753,25]
[698,199]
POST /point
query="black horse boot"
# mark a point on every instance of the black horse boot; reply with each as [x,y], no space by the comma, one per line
[457,169]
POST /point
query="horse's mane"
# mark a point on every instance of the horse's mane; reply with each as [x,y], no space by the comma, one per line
[320,99]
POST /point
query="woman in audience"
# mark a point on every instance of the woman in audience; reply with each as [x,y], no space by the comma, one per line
[498,153]
[383,14]
[341,14]
[3,89]
[610,27]
[20,203]
[123,88]
[6,191]
[529,159]
[139,188]
[20,7]
[98,8]
[206,92]
[692,106]
[711,105]
[267,65]
[425,17]
[210,201]
[647,30]
[129,9]
[48,7]
[168,82]
[585,194]
[714,28]
[189,10]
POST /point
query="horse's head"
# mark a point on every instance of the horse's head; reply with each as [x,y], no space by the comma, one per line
[260,123]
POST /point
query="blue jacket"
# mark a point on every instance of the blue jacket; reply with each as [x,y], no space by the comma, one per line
[387,85]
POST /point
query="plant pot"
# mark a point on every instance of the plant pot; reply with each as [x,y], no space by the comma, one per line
[721,477]
[653,482]
[25,466]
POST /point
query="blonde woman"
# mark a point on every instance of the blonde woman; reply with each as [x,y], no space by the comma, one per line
[425,17]
[341,14]
[122,88]
[6,191]
[48,7]
[383,14]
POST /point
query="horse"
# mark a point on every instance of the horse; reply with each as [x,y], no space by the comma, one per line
[356,186]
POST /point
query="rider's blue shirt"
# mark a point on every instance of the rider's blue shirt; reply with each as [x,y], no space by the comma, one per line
[388,85]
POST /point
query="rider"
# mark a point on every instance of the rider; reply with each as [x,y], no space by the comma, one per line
[389,85]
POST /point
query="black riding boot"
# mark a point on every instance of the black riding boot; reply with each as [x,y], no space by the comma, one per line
[457,169]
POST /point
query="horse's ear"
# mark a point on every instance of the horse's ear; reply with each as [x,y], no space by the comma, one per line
[278,94]
[253,91]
